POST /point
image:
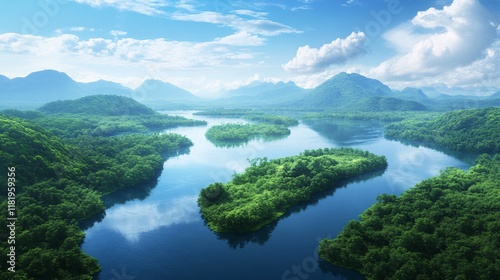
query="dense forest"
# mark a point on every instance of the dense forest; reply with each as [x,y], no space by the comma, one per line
[108,105]
[389,116]
[471,130]
[233,133]
[59,181]
[98,115]
[268,187]
[446,227]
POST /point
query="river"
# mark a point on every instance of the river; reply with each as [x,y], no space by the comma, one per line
[155,231]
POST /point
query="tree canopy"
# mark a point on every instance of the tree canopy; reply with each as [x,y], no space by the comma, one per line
[471,130]
[446,227]
[59,182]
[268,187]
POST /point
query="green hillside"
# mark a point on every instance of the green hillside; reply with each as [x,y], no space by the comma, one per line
[473,130]
[446,227]
[57,183]
[108,105]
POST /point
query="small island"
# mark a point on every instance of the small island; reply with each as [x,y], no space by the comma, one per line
[237,133]
[267,188]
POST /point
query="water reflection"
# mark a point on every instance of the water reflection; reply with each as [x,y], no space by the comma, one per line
[347,132]
[137,217]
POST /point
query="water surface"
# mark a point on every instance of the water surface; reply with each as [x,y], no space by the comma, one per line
[155,231]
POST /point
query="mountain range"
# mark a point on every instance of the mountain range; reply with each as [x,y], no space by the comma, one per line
[343,91]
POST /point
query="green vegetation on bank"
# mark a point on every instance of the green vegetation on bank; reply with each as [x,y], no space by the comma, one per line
[72,121]
[471,130]
[446,227]
[251,115]
[60,181]
[268,187]
[389,116]
[237,132]
[272,119]
[228,113]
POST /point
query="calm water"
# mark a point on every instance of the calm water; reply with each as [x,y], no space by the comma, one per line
[156,231]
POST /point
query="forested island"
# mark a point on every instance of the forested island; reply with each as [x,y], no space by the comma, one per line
[268,187]
[59,180]
[237,133]
[470,130]
[446,227]
[251,115]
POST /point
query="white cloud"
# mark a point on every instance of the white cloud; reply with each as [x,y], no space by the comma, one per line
[117,33]
[124,60]
[350,3]
[241,39]
[309,60]
[250,13]
[259,26]
[436,42]
[146,7]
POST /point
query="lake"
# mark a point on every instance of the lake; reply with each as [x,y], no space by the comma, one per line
[155,231]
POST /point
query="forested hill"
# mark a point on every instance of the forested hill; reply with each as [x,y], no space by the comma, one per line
[446,227]
[58,182]
[110,105]
[357,93]
[471,130]
[37,154]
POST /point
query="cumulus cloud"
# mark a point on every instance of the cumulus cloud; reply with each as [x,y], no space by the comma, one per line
[339,51]
[438,41]
[126,58]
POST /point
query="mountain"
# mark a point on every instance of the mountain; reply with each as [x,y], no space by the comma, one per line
[110,105]
[413,94]
[46,86]
[264,93]
[3,79]
[40,87]
[156,90]
[494,95]
[106,87]
[356,92]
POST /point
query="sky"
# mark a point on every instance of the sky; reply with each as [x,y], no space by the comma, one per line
[211,45]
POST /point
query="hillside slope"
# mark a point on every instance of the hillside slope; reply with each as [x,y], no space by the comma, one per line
[471,130]
[109,105]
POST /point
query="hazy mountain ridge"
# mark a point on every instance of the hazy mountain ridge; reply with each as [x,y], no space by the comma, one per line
[342,91]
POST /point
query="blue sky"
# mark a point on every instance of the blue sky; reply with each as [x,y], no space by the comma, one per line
[205,46]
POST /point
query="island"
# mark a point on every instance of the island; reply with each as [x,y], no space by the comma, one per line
[267,188]
[236,133]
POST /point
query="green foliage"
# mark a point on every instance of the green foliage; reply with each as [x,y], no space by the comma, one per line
[108,105]
[446,227]
[239,133]
[235,113]
[59,182]
[272,119]
[472,130]
[268,187]
[74,125]
[389,116]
